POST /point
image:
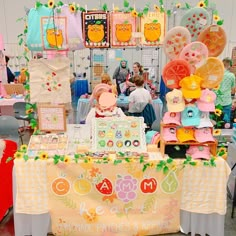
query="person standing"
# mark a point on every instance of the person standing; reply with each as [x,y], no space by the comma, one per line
[120,75]
[227,86]
[10,75]
[137,71]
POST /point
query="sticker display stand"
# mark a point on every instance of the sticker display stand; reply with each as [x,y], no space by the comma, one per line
[163,143]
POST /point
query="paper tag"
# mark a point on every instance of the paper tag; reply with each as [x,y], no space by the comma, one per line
[170,82]
[214,28]
[137,34]
[203,21]
[213,77]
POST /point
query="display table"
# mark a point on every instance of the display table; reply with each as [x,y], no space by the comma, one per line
[84,106]
[92,192]
[6,105]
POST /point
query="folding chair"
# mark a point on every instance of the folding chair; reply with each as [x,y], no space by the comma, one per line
[9,129]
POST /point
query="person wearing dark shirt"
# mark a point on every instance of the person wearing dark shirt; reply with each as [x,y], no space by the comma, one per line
[10,75]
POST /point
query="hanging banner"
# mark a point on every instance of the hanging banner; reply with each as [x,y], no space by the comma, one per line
[108,200]
[123,30]
[54,33]
[153,26]
[54,29]
[96,29]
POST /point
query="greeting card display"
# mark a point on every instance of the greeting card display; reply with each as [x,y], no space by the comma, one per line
[54,33]
[153,28]
[123,29]
[96,29]
[51,144]
[118,134]
[52,118]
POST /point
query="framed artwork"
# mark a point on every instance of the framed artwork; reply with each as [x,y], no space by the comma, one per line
[118,134]
[52,118]
[54,33]
[123,30]
[96,31]
[153,26]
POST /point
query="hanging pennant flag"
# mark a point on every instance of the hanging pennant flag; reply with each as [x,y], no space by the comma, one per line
[96,29]
[153,26]
[123,29]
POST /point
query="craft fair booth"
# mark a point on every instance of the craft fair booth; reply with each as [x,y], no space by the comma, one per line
[104,178]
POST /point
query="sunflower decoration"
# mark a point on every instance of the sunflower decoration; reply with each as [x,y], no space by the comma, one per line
[29,111]
[43,156]
[116,9]
[51,3]
[222,152]
[218,112]
[216,132]
[23,148]
[73,7]
[67,159]
[216,18]
[178,5]
[156,8]
[134,13]
[201,4]
[18,155]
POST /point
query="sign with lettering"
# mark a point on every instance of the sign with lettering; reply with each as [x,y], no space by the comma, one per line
[106,199]
[96,29]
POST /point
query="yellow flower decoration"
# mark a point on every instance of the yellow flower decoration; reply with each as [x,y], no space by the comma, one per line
[216,17]
[201,4]
[178,5]
[18,155]
[43,156]
[67,159]
[157,8]
[217,88]
[72,8]
[218,112]
[216,132]
[91,216]
[23,148]
[29,111]
[151,165]
[51,3]
[134,13]
[222,149]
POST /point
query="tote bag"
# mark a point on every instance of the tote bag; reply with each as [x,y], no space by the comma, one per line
[50,80]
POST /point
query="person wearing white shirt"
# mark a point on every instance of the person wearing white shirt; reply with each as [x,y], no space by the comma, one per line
[140,97]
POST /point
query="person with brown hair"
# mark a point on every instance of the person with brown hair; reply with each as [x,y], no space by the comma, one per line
[106,79]
[137,71]
[140,97]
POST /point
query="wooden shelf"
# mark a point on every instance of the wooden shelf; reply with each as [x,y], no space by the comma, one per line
[163,143]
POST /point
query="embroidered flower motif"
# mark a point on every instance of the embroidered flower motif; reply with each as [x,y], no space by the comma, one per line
[201,4]
[43,156]
[134,13]
[91,216]
[51,3]
[94,171]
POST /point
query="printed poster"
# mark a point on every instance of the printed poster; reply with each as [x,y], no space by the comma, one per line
[153,26]
[96,29]
[113,200]
[123,29]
